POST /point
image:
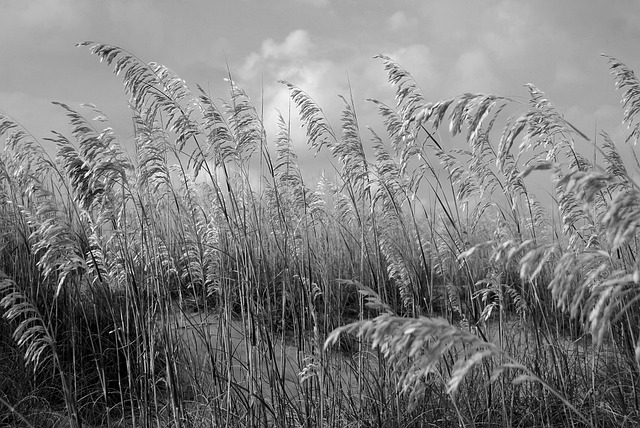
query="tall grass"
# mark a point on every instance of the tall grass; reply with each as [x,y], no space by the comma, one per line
[201,281]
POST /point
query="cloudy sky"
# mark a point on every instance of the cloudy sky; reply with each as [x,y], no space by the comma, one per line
[450,47]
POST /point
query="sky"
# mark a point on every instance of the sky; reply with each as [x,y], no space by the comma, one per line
[323,46]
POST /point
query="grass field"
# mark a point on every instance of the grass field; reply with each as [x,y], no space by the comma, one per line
[202,281]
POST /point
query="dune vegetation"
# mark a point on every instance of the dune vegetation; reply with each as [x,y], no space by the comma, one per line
[194,278]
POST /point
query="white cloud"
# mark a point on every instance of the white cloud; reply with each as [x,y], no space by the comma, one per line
[316,78]
[399,21]
[296,44]
[272,55]
[473,72]
[591,120]
[509,30]
[316,3]
[570,74]
[291,60]
[419,61]
[39,26]
[38,115]
[45,14]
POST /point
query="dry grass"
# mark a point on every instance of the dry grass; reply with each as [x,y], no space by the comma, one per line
[423,286]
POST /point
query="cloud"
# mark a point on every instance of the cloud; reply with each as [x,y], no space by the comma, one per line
[473,72]
[43,15]
[294,60]
[38,26]
[399,21]
[420,62]
[316,3]
[509,30]
[273,55]
[568,74]
[296,45]
[37,114]
[592,120]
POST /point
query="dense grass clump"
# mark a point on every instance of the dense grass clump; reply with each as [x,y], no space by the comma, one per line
[202,281]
